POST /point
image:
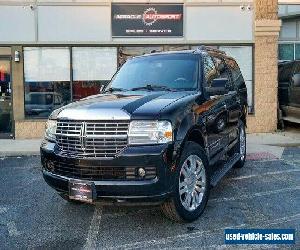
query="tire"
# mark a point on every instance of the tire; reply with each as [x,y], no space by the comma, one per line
[280,123]
[66,198]
[238,148]
[194,187]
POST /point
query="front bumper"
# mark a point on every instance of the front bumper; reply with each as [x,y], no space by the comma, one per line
[138,191]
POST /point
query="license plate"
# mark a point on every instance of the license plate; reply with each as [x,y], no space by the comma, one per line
[81,191]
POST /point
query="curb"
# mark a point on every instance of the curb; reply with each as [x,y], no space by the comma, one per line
[16,154]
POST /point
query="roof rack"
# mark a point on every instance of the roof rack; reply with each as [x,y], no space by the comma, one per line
[207,48]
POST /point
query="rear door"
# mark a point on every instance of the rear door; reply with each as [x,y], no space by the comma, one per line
[216,114]
[230,100]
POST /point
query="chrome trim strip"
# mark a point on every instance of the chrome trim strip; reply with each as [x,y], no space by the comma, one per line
[93,114]
[93,136]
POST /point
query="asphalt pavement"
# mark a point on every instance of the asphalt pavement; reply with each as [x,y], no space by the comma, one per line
[264,194]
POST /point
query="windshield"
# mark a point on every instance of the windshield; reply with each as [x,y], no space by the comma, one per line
[39,99]
[178,71]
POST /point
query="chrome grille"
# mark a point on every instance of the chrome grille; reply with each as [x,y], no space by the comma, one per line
[91,139]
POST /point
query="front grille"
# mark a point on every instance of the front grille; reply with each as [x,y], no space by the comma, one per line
[99,172]
[92,139]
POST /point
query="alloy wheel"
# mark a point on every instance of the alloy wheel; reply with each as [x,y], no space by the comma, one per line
[192,182]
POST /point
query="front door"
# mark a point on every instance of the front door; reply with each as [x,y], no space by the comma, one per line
[5,99]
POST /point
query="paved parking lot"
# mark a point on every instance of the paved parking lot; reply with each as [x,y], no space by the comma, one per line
[264,194]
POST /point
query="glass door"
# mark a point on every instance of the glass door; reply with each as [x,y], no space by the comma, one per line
[5,99]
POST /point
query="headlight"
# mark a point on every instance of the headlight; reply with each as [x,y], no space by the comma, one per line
[51,130]
[150,132]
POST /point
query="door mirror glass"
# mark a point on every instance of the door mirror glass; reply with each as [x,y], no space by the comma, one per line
[218,87]
[219,83]
[296,80]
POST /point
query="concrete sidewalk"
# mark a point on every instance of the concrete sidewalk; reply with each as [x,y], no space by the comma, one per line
[269,145]
[27,147]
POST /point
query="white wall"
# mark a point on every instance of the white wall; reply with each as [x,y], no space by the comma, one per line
[218,23]
[17,24]
[73,23]
[78,23]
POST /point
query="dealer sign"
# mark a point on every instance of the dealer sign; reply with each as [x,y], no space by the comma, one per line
[147,20]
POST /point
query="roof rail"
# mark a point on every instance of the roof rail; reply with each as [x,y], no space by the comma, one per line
[207,48]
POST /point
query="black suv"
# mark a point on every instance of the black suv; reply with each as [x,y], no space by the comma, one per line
[289,92]
[167,128]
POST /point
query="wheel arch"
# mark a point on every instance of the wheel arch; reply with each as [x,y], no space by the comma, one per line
[195,134]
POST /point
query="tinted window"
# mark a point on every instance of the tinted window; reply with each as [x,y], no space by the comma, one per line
[296,67]
[285,72]
[223,71]
[174,71]
[209,69]
[221,68]
[234,69]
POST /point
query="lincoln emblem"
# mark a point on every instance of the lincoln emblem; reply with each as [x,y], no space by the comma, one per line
[83,135]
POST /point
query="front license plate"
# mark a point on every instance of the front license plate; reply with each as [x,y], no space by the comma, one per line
[81,191]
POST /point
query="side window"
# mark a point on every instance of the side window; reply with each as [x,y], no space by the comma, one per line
[234,68]
[56,100]
[223,71]
[297,67]
[236,74]
[285,72]
[221,68]
[209,69]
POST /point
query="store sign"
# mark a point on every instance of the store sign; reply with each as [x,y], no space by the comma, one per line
[140,20]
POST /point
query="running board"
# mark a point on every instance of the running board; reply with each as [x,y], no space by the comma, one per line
[218,174]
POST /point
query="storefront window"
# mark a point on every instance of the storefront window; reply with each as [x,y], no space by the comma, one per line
[92,69]
[286,51]
[297,51]
[47,80]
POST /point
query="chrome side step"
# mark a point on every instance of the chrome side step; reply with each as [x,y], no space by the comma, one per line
[219,173]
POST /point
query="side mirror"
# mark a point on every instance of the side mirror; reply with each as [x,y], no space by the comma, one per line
[218,87]
[296,80]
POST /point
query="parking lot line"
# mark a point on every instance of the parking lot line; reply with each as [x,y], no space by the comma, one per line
[259,194]
[264,174]
[181,237]
[94,229]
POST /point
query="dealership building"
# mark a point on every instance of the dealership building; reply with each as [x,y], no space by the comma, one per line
[55,52]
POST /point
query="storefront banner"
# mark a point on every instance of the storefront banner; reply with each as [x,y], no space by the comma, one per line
[147,20]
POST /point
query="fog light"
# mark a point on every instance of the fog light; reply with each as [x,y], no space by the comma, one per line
[141,172]
[50,166]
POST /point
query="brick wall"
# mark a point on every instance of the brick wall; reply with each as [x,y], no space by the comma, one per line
[29,129]
[265,67]
[266,9]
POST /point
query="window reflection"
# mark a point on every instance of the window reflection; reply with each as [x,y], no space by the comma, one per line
[93,67]
[127,52]
[47,80]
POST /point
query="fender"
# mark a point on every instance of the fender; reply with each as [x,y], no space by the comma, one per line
[189,127]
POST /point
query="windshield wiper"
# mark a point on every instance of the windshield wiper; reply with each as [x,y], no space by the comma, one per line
[111,89]
[152,88]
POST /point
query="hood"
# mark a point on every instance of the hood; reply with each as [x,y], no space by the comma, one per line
[123,105]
